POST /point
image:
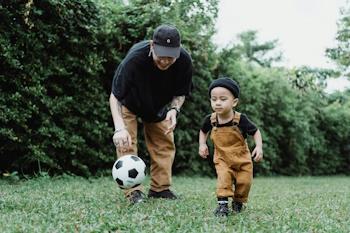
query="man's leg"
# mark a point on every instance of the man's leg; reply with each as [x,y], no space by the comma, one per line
[131,125]
[162,151]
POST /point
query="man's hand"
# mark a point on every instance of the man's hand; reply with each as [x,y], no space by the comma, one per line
[171,117]
[257,154]
[203,150]
[122,140]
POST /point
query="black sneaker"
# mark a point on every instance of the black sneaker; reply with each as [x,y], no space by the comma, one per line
[167,194]
[222,210]
[136,197]
[237,206]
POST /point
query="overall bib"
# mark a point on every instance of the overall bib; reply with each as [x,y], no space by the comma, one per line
[232,159]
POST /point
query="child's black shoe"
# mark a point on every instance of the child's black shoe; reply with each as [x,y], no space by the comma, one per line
[237,206]
[222,210]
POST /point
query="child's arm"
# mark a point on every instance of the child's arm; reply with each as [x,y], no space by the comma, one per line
[257,153]
[203,150]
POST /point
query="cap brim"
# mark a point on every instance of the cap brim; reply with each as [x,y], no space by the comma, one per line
[163,51]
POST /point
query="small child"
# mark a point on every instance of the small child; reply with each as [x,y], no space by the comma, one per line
[232,158]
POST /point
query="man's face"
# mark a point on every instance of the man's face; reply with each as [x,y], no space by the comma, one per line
[163,63]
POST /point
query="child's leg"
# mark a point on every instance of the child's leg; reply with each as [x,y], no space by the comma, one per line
[224,180]
[244,178]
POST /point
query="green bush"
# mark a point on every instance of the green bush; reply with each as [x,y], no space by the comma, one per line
[57,60]
[54,109]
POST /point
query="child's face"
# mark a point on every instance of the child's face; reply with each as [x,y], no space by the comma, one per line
[222,101]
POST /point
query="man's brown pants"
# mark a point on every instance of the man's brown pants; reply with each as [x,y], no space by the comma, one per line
[161,148]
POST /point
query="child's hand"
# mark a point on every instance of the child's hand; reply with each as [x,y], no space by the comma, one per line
[257,154]
[203,150]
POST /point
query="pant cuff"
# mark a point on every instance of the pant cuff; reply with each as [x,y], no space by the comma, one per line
[127,192]
[224,193]
[159,189]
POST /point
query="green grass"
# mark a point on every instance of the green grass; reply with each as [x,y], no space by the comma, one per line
[73,204]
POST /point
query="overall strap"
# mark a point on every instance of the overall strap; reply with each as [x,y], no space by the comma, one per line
[213,119]
[236,117]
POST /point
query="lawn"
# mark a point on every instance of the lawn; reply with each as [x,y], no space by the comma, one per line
[74,204]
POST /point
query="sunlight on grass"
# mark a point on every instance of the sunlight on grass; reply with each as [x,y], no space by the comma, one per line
[73,204]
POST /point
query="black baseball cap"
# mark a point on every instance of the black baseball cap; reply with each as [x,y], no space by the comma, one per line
[227,83]
[166,41]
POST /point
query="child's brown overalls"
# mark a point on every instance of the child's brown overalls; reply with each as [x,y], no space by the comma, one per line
[232,160]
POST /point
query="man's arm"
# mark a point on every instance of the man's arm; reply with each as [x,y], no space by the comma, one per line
[175,106]
[116,110]
[177,102]
[121,137]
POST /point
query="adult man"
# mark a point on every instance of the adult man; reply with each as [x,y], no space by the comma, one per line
[151,84]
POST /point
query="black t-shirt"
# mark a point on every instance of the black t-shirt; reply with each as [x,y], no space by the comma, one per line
[146,90]
[245,125]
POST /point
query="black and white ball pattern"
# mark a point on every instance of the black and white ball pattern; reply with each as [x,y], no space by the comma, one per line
[129,171]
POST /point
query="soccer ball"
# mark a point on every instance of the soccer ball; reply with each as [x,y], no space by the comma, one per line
[129,171]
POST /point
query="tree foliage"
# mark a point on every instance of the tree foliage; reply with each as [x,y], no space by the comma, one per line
[290,107]
[51,92]
[58,58]
[341,53]
[57,63]
[250,50]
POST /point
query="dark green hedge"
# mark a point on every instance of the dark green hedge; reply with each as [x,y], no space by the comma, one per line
[53,102]
[57,63]
[57,59]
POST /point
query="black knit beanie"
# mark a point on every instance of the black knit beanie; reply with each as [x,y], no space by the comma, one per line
[228,83]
